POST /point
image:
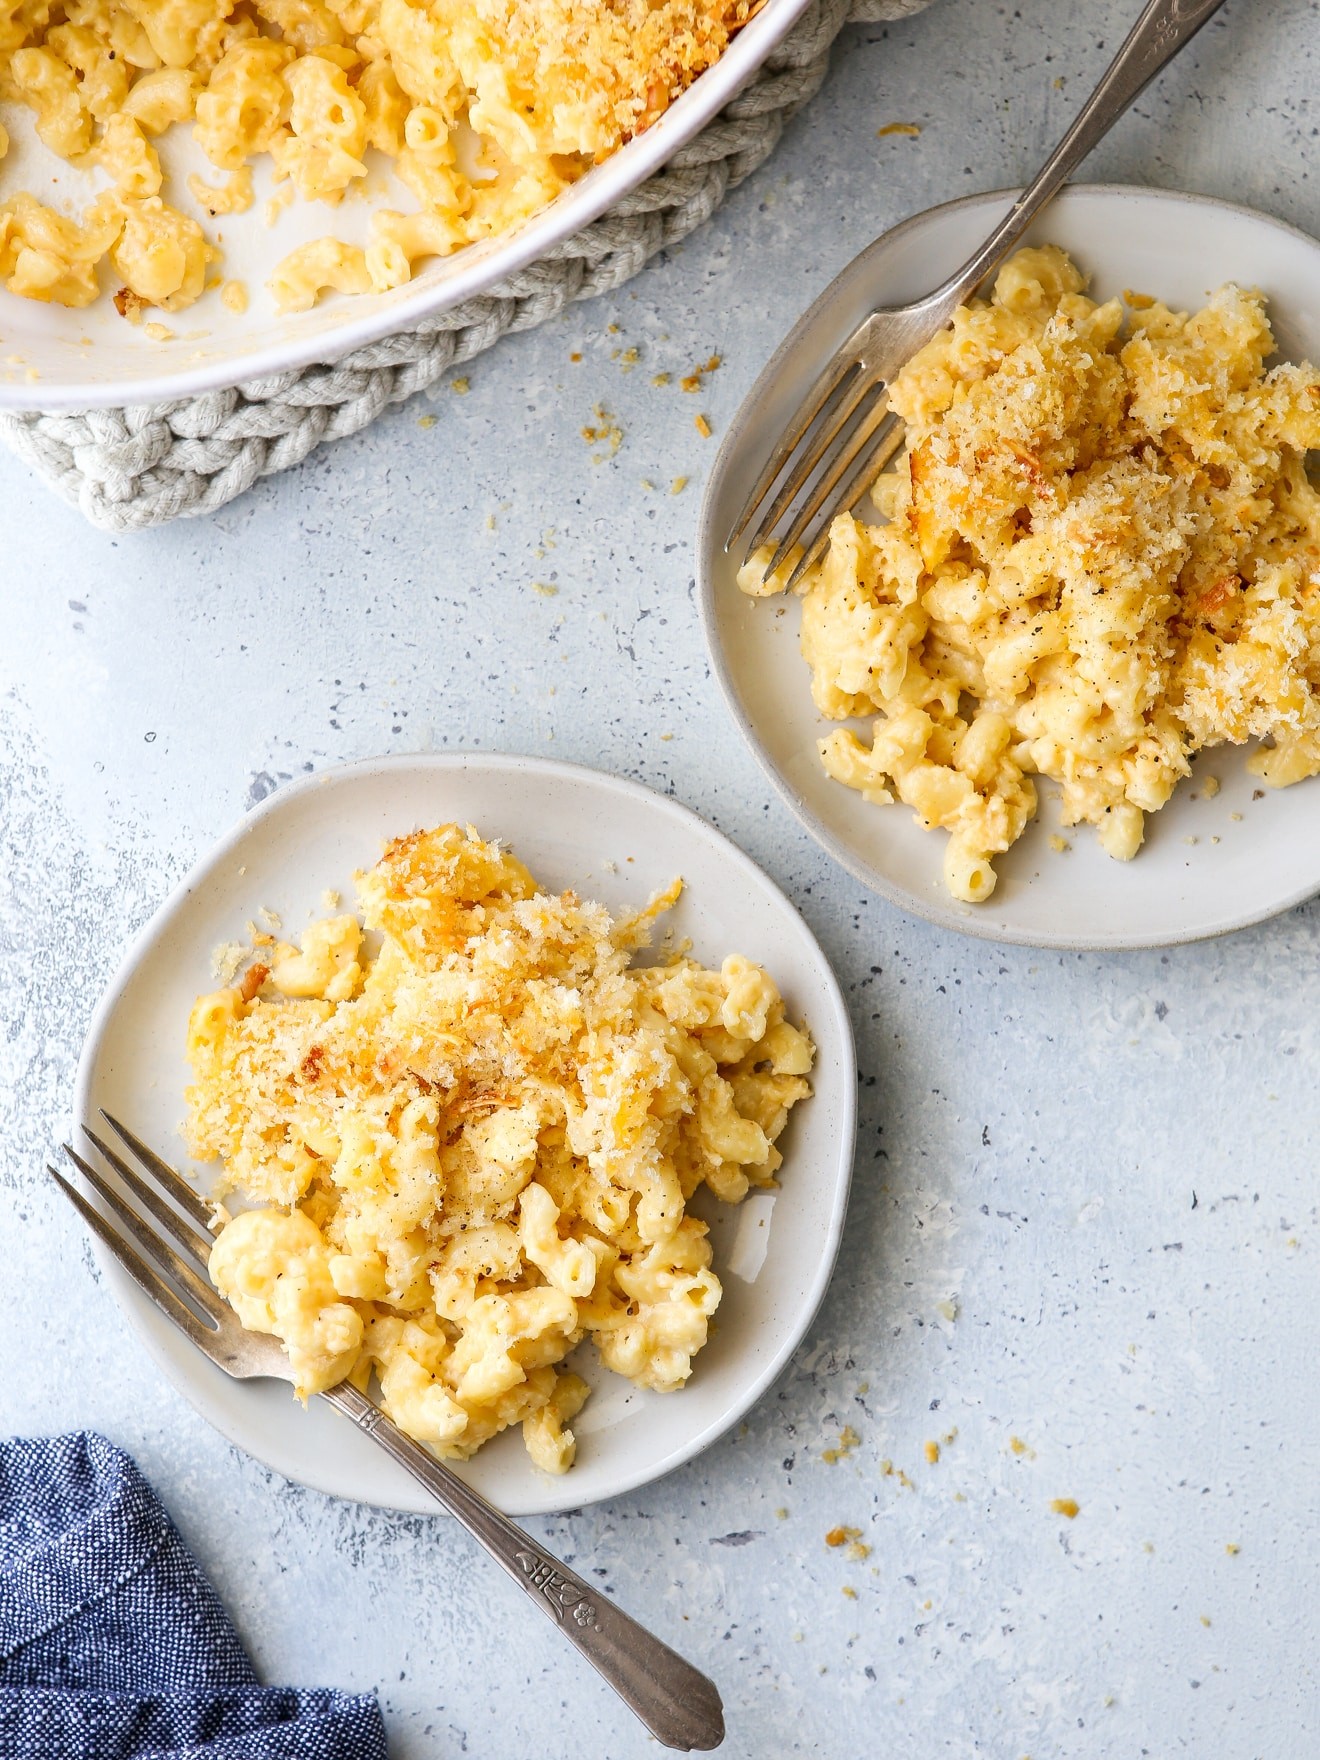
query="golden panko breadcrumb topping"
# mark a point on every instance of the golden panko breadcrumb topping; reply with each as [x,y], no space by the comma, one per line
[478,1147]
[1100,554]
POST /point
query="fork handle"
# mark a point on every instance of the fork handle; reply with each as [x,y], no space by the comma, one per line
[679,1705]
[1163,28]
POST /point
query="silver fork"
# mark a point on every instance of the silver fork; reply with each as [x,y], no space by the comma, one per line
[845,434]
[679,1705]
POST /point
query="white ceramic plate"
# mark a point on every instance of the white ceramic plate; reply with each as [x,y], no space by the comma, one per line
[774,1253]
[1208,865]
[56,359]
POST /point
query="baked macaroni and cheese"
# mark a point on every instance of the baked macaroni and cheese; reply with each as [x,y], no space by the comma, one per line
[475,1147]
[1099,553]
[534,92]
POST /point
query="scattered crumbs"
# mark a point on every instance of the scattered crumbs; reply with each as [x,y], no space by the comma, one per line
[1232,1549]
[1236,818]
[613,329]
[1258,794]
[429,422]
[629,359]
[576,356]
[1059,844]
[277,204]
[703,427]
[158,332]
[271,919]
[605,431]
[1210,787]
[1139,302]
[648,485]
[694,380]
[330,899]
[781,1514]
[1066,1506]
[226,959]
[234,296]
[661,378]
[1214,840]
[1191,840]
[863,1387]
[859,1551]
[1205,1619]
[927,1605]
[797,1637]
[461,386]
[841,1536]
[666,736]
[1148,1546]
[610,867]
[849,1591]
[545,589]
[931,1450]
[490,522]
[911,129]
[947,1309]
[959,1497]
[1019,1447]
[950,1436]
[678,485]
[848,1440]
[904,1481]
[887,1468]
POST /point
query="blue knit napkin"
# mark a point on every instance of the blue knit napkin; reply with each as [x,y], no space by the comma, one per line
[113,1646]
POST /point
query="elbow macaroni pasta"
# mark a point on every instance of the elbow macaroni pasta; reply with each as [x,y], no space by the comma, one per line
[1100,553]
[478,1148]
[538,90]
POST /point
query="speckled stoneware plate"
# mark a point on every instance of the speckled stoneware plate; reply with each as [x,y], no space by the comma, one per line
[1209,865]
[609,839]
[55,359]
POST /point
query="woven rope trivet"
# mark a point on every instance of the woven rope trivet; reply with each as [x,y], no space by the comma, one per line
[131,468]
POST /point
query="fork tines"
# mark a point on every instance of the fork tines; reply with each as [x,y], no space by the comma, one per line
[838,442]
[174,1278]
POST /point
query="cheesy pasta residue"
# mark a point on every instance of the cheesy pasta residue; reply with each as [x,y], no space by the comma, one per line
[545,89]
[478,1147]
[1100,554]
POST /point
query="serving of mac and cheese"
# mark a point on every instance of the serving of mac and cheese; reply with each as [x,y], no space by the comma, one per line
[1099,553]
[486,110]
[476,1146]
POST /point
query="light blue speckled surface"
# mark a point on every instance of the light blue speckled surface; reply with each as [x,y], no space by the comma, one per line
[1104,1167]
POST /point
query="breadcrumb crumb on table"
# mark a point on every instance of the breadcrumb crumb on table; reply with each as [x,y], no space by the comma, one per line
[841,1536]
[694,380]
[1066,1506]
[910,129]
[703,427]
[848,1441]
[603,431]
[931,1450]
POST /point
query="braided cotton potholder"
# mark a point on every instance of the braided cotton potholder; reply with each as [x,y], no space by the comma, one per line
[131,468]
